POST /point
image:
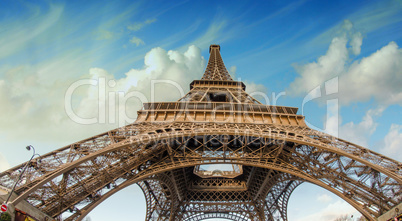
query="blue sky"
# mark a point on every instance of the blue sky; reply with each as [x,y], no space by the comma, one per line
[282,47]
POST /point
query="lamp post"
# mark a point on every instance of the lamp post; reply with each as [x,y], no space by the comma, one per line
[29,147]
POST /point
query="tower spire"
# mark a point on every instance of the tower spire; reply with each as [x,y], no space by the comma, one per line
[216,69]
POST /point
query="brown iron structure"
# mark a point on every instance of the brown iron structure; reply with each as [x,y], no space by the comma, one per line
[269,150]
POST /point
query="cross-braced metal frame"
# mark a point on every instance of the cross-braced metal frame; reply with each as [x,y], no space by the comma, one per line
[217,122]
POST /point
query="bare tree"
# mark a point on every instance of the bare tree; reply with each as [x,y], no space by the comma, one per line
[349,218]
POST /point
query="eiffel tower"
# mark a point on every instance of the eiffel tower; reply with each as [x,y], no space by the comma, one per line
[215,153]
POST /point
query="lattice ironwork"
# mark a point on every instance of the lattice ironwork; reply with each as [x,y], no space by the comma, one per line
[216,70]
[217,122]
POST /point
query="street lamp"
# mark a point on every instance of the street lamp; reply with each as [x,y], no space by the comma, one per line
[29,147]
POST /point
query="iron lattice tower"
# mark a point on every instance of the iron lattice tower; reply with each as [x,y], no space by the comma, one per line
[269,148]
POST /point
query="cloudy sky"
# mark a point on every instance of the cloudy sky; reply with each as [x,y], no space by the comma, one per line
[339,62]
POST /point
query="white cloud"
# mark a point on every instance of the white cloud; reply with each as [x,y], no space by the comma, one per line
[328,66]
[356,38]
[137,41]
[356,43]
[358,133]
[32,97]
[377,76]
[393,142]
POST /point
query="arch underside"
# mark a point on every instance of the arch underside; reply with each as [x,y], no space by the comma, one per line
[165,201]
[78,177]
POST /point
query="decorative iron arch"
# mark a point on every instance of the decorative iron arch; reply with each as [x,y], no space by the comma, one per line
[228,216]
[216,122]
[335,184]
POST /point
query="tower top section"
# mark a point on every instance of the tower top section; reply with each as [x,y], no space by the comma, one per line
[218,98]
[216,70]
[214,46]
